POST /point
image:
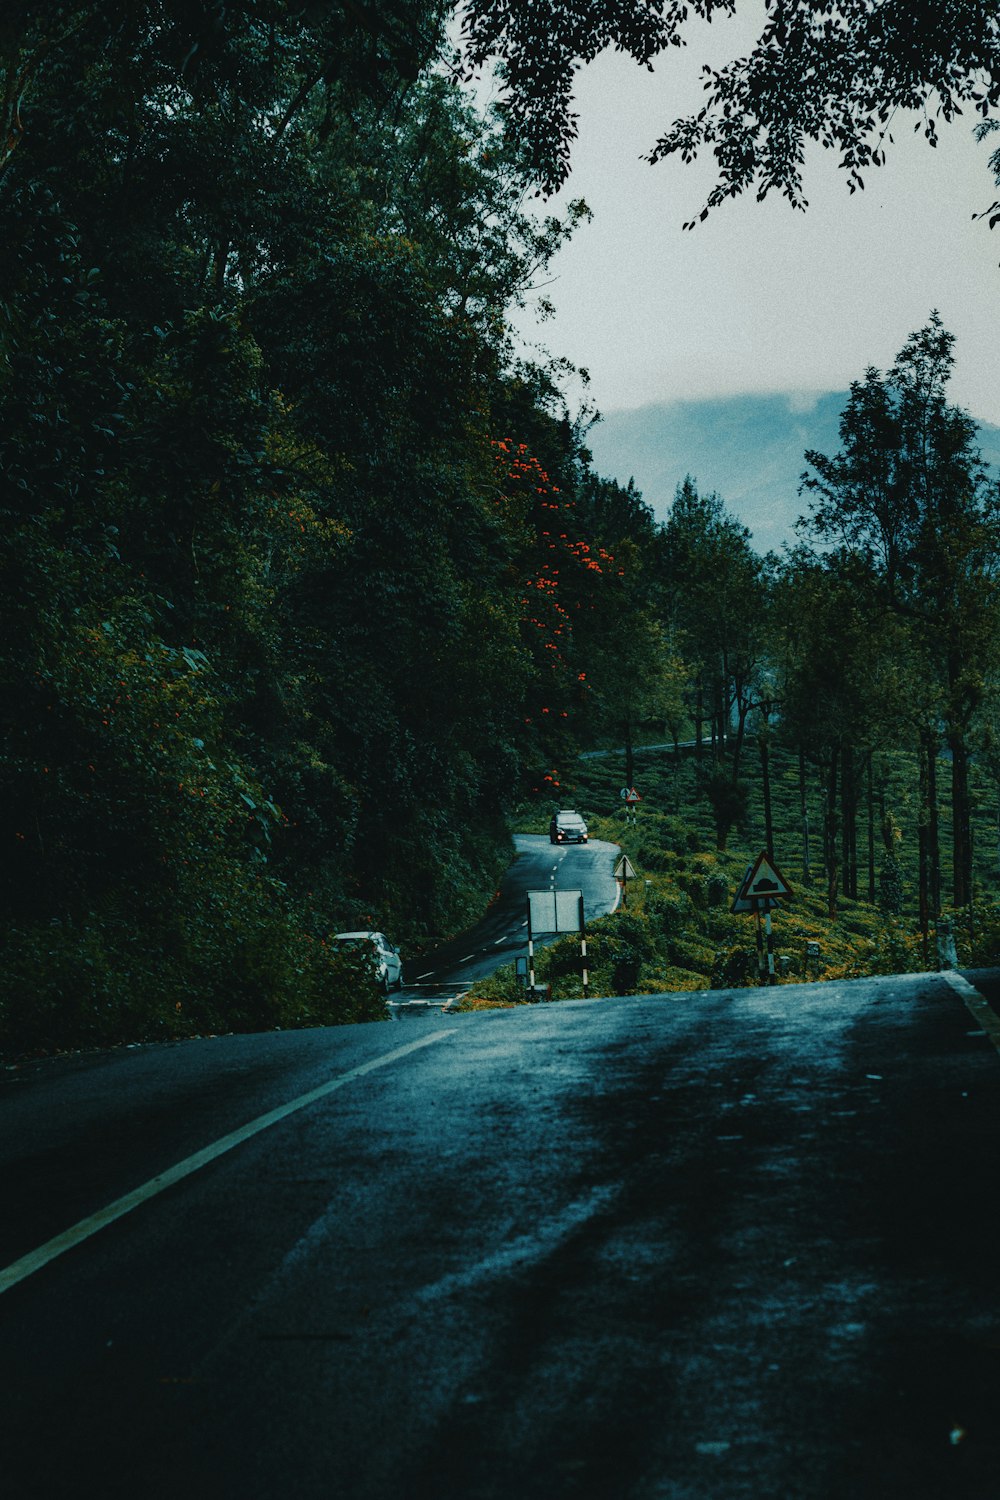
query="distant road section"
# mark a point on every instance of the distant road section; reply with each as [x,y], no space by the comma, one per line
[640,749]
[501,936]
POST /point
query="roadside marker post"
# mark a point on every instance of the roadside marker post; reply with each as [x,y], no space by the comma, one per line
[624,872]
[583,950]
[631,799]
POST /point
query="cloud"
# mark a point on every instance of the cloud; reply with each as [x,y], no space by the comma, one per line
[802,403]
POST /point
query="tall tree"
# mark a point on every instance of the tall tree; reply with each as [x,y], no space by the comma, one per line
[715,591]
[263,660]
[909,496]
[841,659]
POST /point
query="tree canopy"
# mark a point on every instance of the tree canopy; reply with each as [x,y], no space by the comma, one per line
[914,517]
[833,72]
[299,561]
[307,577]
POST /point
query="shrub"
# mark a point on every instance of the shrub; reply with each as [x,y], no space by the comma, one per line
[669,913]
[691,955]
[228,952]
[695,887]
[890,886]
[735,968]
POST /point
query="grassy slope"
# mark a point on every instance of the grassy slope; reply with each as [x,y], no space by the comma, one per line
[677,933]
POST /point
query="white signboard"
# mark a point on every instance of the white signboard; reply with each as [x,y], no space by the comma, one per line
[555,911]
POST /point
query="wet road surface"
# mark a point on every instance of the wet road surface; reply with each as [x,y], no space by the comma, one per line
[736,1244]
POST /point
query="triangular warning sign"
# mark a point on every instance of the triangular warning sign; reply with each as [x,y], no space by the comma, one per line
[764,881]
[623,869]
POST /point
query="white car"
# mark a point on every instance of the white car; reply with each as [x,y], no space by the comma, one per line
[388,964]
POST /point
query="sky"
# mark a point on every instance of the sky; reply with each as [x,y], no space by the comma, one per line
[761,297]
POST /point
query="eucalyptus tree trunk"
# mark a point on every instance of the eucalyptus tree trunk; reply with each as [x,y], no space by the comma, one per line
[962,834]
[806,871]
[849,807]
[933,842]
[830,835]
[871,828]
[629,753]
[923,889]
[765,771]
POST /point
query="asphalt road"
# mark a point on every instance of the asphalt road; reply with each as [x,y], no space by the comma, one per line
[447,973]
[736,1244]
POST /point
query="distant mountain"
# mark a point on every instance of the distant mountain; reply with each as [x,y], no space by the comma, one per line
[749,449]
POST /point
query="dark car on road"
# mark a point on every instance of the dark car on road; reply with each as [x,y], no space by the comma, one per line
[567,827]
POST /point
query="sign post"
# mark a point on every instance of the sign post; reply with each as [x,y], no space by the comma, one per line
[583,951]
[624,872]
[631,799]
[760,890]
[556,911]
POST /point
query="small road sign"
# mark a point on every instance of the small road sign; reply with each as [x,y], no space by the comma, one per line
[624,870]
[763,881]
[761,887]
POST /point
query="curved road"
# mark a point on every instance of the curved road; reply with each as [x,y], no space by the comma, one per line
[501,936]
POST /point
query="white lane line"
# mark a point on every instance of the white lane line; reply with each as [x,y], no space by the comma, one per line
[425,976]
[498,941]
[976,1003]
[465,960]
[442,984]
[36,1259]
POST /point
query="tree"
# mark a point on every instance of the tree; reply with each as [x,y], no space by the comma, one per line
[714,591]
[830,71]
[841,658]
[263,664]
[909,498]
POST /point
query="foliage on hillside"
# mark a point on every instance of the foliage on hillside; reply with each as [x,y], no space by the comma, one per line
[276,502]
[307,580]
[676,931]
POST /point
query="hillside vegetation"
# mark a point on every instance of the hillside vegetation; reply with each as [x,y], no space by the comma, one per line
[291,540]
[308,580]
[676,931]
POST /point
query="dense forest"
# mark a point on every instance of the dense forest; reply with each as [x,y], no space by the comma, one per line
[308,579]
[305,574]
